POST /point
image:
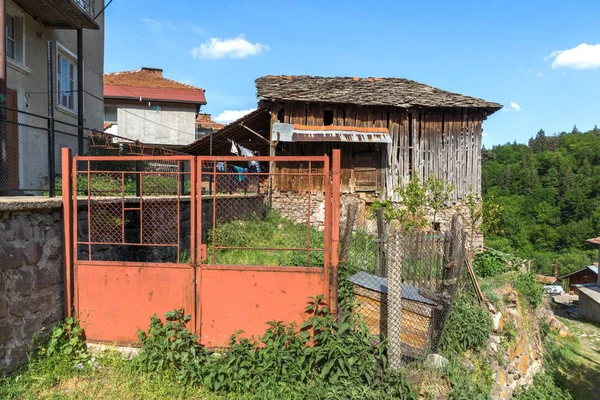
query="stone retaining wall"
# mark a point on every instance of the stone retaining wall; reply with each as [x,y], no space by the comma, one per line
[31,275]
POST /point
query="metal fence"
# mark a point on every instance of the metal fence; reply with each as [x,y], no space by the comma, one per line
[402,283]
[30,151]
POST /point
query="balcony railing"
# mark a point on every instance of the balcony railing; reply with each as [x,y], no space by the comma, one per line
[62,14]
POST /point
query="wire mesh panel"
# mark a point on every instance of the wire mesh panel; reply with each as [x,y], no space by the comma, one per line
[406,289]
[254,217]
[134,208]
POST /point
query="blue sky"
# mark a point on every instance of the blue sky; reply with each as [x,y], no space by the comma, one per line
[543,57]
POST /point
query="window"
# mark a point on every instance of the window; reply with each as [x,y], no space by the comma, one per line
[65,82]
[110,113]
[14,38]
[328,117]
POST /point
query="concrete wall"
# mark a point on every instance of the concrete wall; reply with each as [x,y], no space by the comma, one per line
[172,123]
[31,274]
[589,304]
[30,81]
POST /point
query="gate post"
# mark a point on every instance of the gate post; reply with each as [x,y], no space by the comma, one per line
[335,226]
[67,200]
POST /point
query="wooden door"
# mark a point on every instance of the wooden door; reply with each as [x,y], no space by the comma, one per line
[366,171]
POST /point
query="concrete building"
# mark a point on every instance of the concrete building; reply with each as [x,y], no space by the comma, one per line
[589,296]
[30,25]
[143,105]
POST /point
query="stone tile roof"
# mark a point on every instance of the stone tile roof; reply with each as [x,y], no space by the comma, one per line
[397,92]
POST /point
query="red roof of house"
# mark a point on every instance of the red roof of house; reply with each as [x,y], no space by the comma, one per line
[205,121]
[546,279]
[149,84]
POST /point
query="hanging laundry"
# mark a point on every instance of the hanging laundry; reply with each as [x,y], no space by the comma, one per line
[252,165]
[234,149]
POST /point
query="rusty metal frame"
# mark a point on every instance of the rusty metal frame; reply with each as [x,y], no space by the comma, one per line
[323,279]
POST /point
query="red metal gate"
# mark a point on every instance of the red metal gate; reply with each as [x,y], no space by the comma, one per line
[214,235]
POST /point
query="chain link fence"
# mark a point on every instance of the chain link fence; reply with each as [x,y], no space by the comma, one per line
[402,283]
[31,156]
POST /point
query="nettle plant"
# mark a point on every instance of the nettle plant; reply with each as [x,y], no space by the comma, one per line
[323,356]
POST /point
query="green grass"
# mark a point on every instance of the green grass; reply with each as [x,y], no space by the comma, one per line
[272,231]
[105,377]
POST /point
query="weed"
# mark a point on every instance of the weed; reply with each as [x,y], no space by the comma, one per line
[468,327]
[528,287]
[489,263]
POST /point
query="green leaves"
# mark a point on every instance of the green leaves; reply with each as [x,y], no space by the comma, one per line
[529,288]
[468,327]
[323,358]
[66,339]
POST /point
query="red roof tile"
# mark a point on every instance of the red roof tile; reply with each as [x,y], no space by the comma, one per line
[149,84]
[546,279]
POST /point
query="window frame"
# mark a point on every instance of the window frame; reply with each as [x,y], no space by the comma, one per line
[18,38]
[62,53]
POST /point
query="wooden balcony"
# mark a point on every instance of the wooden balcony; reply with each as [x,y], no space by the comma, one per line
[62,14]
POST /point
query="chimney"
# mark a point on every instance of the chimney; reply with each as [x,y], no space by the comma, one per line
[556,268]
[155,72]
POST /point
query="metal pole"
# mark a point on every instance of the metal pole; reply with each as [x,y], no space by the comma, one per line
[3,126]
[51,156]
[2,60]
[80,91]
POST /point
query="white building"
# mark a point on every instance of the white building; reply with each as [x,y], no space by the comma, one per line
[147,107]
[30,25]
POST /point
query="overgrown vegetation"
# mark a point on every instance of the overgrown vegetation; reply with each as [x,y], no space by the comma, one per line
[322,359]
[468,327]
[550,196]
[417,200]
[270,231]
[529,288]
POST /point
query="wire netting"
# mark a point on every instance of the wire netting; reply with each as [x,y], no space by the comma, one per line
[402,283]
[251,216]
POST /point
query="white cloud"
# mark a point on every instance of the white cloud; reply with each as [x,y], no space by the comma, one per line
[228,116]
[584,56]
[238,47]
[153,25]
[484,134]
[515,106]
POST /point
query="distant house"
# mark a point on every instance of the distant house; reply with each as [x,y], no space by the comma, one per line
[584,277]
[547,280]
[143,105]
[589,296]
[204,124]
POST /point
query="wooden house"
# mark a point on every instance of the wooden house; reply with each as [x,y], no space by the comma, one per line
[387,129]
[584,277]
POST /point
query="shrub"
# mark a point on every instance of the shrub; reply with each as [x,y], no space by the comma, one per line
[323,358]
[67,339]
[543,387]
[489,263]
[468,327]
[529,288]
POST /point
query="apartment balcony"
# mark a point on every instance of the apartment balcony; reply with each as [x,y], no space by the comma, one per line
[62,14]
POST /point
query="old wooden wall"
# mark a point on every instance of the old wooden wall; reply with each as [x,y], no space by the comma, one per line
[445,142]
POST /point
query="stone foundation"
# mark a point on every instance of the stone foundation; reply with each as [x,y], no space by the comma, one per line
[294,206]
[31,275]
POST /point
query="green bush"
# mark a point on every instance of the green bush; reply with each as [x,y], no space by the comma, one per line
[543,387]
[489,263]
[67,340]
[529,288]
[468,327]
[323,358]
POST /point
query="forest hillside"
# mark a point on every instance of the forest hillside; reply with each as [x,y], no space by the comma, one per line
[549,197]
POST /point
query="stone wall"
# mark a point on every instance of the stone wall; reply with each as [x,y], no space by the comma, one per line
[31,275]
[294,206]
